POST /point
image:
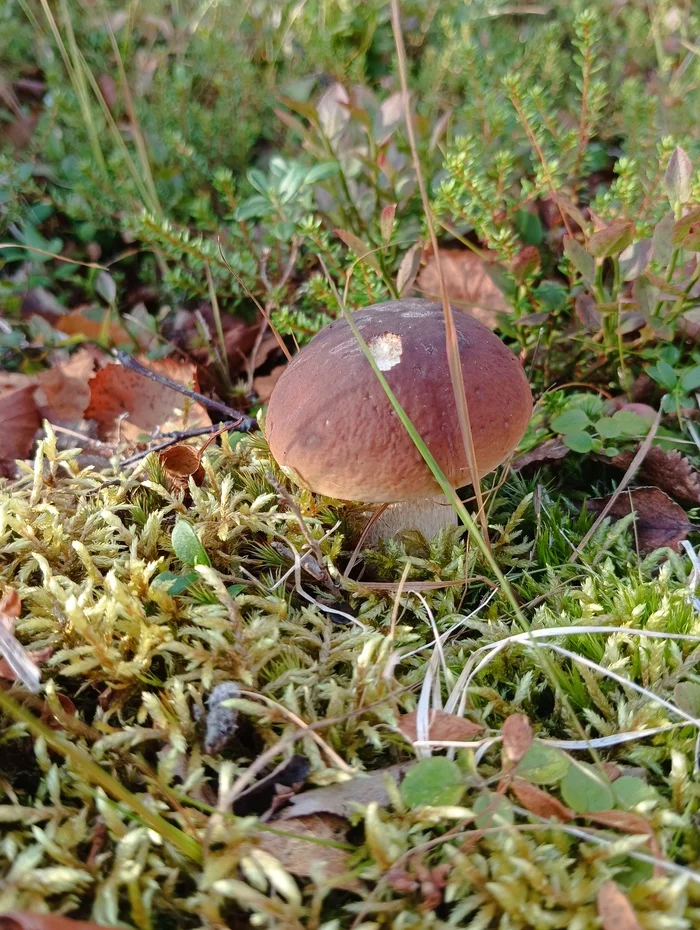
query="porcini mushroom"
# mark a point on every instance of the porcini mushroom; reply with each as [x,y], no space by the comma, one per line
[332,428]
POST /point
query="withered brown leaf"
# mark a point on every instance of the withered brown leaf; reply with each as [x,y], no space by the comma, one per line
[660,522]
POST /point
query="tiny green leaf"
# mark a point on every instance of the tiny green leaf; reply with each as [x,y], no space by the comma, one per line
[608,428]
[582,260]
[630,791]
[663,374]
[494,810]
[362,251]
[585,789]
[187,546]
[433,783]
[543,765]
[690,381]
[570,421]
[687,696]
[105,287]
[578,441]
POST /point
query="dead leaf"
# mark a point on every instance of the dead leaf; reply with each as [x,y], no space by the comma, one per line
[540,802]
[548,452]
[660,522]
[10,603]
[116,391]
[182,463]
[263,385]
[588,313]
[77,323]
[408,269]
[614,910]
[441,726]
[612,771]
[344,798]
[17,920]
[670,471]
[19,418]
[469,287]
[64,394]
[302,857]
[516,734]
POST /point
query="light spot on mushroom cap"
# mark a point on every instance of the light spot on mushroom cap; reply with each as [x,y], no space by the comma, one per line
[386,350]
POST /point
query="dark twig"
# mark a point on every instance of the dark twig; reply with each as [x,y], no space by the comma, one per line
[243,423]
[175,438]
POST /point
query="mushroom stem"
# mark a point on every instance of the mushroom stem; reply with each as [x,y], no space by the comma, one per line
[428,515]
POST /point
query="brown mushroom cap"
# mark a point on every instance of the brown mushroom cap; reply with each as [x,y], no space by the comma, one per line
[331,423]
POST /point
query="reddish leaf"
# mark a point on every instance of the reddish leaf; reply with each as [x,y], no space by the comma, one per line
[363,251]
[611,240]
[660,522]
[469,287]
[614,910]
[182,463]
[540,802]
[64,395]
[19,418]
[548,452]
[441,726]
[408,269]
[386,221]
[516,734]
[302,856]
[78,323]
[587,312]
[116,391]
[670,471]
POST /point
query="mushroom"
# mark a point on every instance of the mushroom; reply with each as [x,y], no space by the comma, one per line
[333,430]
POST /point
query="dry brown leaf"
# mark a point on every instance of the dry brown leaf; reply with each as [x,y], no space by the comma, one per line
[516,734]
[614,910]
[540,802]
[627,822]
[301,857]
[588,313]
[263,385]
[76,323]
[63,394]
[344,798]
[19,419]
[659,521]
[18,920]
[548,452]
[670,471]
[469,287]
[116,391]
[441,726]
[10,603]
[182,463]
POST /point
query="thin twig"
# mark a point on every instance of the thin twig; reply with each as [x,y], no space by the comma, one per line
[175,438]
[244,423]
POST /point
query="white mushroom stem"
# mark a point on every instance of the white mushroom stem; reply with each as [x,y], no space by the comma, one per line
[428,515]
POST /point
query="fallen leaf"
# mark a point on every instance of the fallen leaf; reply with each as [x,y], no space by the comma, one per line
[441,726]
[408,269]
[64,394]
[10,603]
[660,522]
[77,323]
[19,418]
[148,405]
[345,798]
[18,920]
[540,802]
[303,856]
[670,471]
[614,910]
[468,285]
[182,463]
[263,385]
[548,452]
[517,736]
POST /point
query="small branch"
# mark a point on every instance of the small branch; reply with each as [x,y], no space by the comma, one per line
[174,438]
[243,423]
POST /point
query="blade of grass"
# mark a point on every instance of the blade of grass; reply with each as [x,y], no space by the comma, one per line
[94,773]
[453,358]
